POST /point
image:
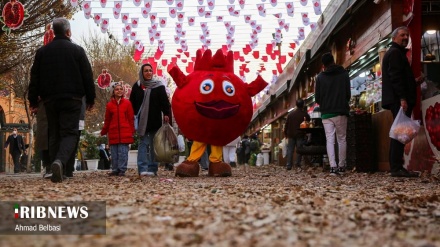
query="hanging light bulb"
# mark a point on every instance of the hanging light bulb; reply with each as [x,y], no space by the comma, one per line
[431,31]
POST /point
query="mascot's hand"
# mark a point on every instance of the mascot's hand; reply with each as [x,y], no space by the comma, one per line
[256,86]
[178,76]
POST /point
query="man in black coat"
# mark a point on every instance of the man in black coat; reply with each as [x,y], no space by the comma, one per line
[61,75]
[398,91]
[295,136]
[333,94]
[16,148]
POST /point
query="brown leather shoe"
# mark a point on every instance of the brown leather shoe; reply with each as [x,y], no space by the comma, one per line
[188,169]
[219,169]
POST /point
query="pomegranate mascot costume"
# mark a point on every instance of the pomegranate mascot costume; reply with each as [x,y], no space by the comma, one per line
[212,106]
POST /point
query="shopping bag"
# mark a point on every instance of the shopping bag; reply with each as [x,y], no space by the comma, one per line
[165,145]
[404,129]
[181,143]
[283,147]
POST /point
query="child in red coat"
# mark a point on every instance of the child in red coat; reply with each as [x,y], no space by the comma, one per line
[119,127]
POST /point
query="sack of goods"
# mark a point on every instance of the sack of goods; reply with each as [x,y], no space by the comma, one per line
[166,147]
[404,129]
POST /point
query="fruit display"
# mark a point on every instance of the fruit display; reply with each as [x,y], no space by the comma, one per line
[431,117]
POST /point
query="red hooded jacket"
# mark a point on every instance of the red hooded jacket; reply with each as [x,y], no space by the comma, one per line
[119,122]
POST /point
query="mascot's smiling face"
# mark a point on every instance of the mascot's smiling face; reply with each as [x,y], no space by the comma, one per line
[212,105]
[221,90]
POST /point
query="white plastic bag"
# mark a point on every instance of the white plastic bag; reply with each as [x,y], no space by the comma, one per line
[404,129]
[283,147]
[181,143]
[260,160]
[165,145]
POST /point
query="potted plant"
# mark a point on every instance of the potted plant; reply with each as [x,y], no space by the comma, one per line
[89,143]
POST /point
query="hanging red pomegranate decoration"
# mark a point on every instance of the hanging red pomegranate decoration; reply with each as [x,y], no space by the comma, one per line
[104,79]
[13,15]
[48,35]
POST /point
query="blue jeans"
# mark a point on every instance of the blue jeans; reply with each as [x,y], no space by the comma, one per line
[291,144]
[119,157]
[204,160]
[146,157]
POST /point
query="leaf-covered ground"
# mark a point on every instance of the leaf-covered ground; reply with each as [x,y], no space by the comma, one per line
[259,206]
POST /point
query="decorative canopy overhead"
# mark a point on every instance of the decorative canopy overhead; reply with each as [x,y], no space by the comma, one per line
[263,34]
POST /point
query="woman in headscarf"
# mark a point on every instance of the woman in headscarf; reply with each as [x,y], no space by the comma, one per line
[149,99]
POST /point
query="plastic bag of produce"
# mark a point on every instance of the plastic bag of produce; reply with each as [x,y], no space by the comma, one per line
[165,145]
[404,129]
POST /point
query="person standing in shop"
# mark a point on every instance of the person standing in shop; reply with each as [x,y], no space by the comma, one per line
[399,89]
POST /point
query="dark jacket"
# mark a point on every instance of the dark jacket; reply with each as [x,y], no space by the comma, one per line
[118,123]
[333,90]
[159,104]
[61,70]
[136,97]
[19,140]
[397,78]
[294,120]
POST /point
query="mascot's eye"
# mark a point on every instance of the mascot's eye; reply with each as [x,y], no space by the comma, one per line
[207,86]
[228,88]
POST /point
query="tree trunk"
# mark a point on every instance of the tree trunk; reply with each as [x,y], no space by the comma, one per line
[31,119]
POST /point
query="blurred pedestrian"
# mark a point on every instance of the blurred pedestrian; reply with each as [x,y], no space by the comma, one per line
[295,137]
[229,152]
[16,148]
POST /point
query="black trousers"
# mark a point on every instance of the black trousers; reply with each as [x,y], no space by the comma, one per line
[396,147]
[63,123]
[16,160]
[70,166]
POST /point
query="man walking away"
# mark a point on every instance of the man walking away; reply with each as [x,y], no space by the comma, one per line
[333,94]
[61,75]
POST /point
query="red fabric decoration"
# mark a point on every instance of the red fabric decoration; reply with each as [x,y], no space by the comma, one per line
[213,105]
[137,54]
[48,35]
[256,54]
